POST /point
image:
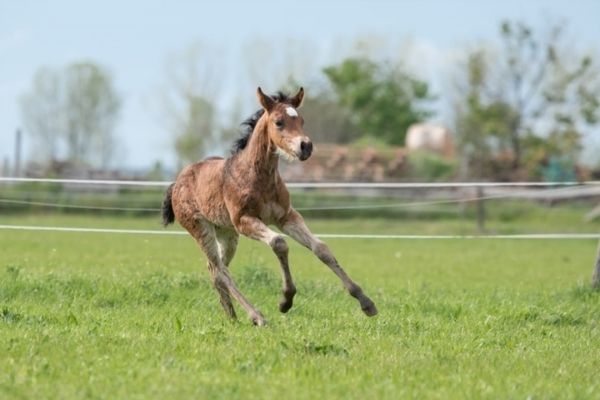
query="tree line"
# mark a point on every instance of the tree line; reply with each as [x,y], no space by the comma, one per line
[519,106]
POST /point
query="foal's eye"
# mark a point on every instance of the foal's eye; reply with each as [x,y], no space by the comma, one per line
[279,123]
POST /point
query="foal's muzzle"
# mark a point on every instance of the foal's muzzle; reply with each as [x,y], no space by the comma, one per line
[306,148]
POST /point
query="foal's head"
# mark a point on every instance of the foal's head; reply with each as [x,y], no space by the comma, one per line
[285,126]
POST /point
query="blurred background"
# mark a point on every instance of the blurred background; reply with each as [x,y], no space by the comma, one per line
[397,91]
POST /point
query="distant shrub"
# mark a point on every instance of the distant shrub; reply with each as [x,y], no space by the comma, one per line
[430,167]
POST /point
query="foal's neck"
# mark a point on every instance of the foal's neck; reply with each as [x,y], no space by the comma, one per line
[259,157]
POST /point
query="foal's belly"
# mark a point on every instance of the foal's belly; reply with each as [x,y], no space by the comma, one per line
[217,215]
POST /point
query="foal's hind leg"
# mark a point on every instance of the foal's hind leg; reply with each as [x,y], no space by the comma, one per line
[227,241]
[297,229]
[205,235]
[256,229]
[223,291]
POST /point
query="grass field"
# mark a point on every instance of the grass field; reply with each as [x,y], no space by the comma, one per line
[130,316]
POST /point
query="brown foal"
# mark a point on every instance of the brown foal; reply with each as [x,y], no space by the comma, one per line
[218,199]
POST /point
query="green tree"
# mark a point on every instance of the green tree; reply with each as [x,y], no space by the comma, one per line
[42,113]
[91,108]
[383,99]
[187,101]
[483,126]
[73,110]
[191,143]
[327,121]
[533,96]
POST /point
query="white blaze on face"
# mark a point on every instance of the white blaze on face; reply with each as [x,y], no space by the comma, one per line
[291,111]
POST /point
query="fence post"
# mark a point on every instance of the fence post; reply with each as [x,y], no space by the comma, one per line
[18,150]
[479,193]
[596,275]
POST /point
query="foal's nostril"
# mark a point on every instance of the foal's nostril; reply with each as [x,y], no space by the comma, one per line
[306,148]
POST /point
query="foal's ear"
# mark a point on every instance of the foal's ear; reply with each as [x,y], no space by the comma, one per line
[296,101]
[265,101]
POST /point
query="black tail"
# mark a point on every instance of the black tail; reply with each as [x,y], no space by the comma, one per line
[168,216]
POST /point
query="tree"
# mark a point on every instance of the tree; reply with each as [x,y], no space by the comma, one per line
[383,99]
[538,94]
[195,127]
[188,102]
[327,121]
[279,64]
[42,113]
[72,110]
[483,127]
[91,109]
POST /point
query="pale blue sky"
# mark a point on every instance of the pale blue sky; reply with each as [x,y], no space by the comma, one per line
[135,38]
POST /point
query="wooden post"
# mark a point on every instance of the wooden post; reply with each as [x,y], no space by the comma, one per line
[18,149]
[596,275]
[6,167]
[479,193]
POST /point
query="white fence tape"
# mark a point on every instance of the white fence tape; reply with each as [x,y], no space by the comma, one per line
[529,236]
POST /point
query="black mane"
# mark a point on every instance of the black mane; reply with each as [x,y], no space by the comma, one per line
[247,127]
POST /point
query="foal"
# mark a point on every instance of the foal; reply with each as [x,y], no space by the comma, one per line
[218,199]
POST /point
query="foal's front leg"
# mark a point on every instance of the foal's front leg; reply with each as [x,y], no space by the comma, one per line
[295,227]
[256,229]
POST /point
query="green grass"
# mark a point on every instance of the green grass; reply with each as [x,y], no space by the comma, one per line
[128,316]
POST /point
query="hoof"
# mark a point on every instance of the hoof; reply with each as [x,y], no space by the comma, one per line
[285,305]
[369,308]
[258,320]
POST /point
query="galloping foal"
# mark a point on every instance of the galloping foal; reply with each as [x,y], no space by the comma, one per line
[218,199]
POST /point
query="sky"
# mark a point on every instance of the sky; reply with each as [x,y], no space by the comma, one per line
[135,40]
